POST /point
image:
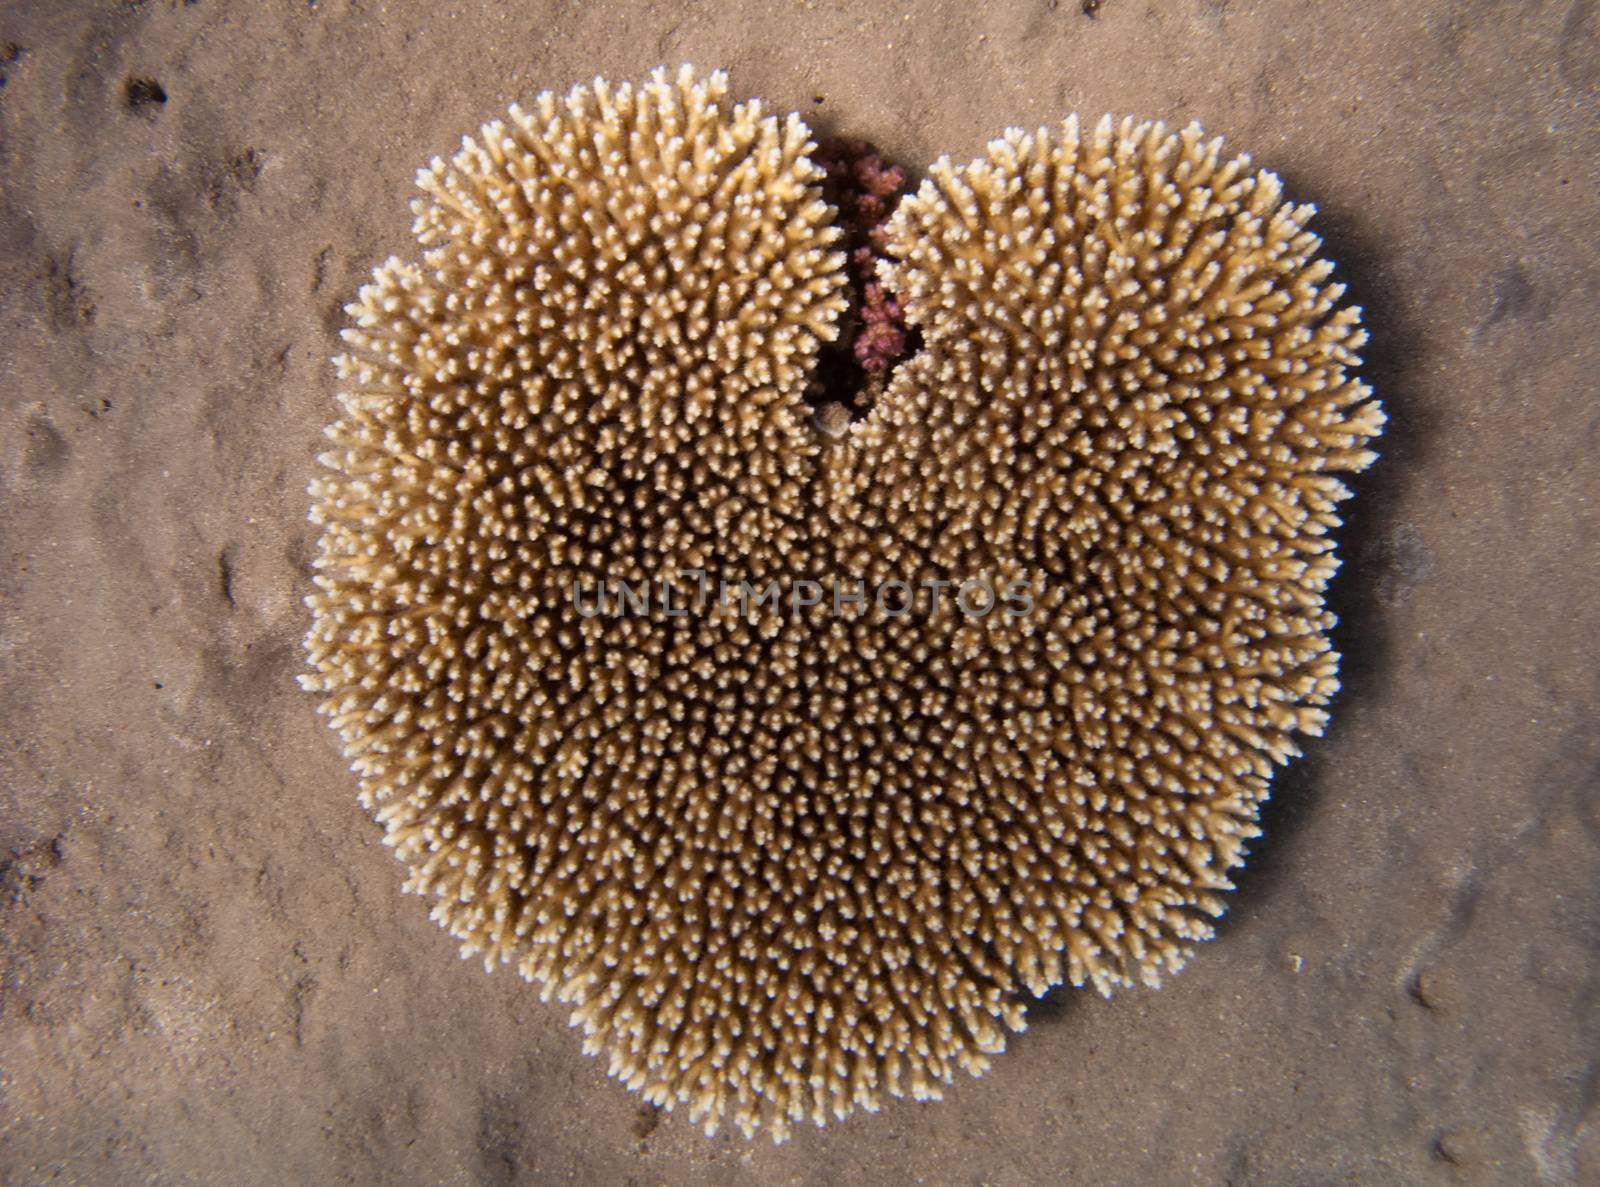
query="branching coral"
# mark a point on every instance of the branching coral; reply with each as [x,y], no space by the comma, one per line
[787,860]
[863,190]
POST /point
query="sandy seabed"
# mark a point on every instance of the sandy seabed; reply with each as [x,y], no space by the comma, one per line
[207,974]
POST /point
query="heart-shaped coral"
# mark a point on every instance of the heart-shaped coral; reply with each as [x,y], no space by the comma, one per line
[788,847]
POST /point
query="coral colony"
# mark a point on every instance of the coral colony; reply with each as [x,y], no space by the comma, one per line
[786,858]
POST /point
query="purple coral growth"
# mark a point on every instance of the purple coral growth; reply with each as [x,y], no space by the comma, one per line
[881,339]
[864,190]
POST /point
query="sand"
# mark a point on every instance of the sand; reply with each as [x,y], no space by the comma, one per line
[207,974]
